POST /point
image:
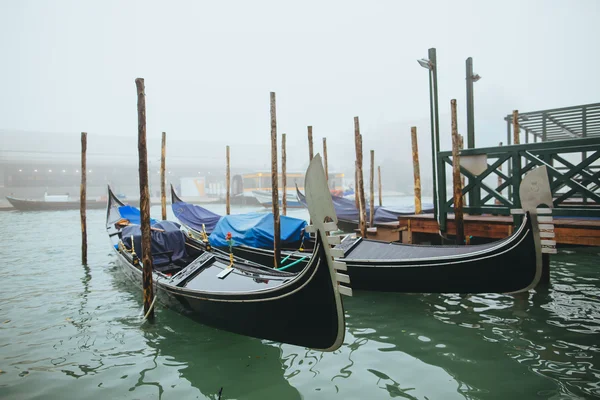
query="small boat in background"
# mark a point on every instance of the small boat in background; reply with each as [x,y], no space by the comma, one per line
[265,199]
[56,203]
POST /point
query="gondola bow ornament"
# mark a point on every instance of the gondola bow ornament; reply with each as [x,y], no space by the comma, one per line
[324,218]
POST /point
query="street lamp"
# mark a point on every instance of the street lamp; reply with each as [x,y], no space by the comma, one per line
[425,63]
[431,65]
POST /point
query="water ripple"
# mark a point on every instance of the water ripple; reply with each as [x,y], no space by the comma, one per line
[68,329]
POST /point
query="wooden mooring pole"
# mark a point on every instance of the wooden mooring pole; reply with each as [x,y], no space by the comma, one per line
[356,150]
[363,201]
[516,127]
[416,170]
[163,185]
[325,159]
[456,181]
[82,199]
[310,144]
[274,182]
[283,175]
[356,196]
[227,182]
[144,202]
[372,189]
[360,189]
[461,145]
[379,183]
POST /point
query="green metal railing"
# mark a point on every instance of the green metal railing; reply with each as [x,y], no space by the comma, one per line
[575,184]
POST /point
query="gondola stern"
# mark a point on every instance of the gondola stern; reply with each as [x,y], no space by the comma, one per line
[174,197]
[535,191]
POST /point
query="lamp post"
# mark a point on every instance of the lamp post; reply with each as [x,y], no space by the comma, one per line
[431,65]
[470,78]
[475,193]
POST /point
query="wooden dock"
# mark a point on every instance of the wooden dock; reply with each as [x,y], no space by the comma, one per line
[424,228]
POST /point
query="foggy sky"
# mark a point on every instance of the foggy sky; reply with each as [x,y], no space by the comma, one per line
[70,66]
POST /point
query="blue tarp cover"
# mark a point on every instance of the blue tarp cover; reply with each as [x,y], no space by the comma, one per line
[345,209]
[194,216]
[132,214]
[172,239]
[256,230]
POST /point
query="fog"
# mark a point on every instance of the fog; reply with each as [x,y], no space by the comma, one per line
[70,66]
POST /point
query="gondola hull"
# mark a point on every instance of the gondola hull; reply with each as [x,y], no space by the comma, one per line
[506,266]
[303,309]
[301,313]
[266,200]
[40,205]
[510,266]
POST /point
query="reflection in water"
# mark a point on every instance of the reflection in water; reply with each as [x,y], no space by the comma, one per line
[68,332]
[211,359]
[492,343]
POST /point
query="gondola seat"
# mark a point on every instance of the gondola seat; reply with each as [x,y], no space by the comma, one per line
[167,245]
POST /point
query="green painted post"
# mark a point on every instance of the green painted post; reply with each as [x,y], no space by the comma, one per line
[508,142]
[543,127]
[470,105]
[443,211]
[475,193]
[584,122]
[433,59]
[584,134]
[516,182]
[434,150]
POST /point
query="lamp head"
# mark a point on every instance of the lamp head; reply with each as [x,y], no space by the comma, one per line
[425,63]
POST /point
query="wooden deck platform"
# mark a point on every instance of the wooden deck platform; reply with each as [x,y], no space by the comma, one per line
[583,232]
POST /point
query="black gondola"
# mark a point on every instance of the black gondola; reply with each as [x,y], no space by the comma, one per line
[510,265]
[41,205]
[303,309]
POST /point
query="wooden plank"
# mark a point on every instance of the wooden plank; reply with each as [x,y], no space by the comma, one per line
[567,231]
[577,236]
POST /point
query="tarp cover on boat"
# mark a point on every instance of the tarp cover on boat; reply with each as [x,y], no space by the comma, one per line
[194,216]
[132,214]
[256,230]
[171,239]
[345,209]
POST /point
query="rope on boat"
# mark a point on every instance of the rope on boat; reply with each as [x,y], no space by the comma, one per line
[301,249]
[150,309]
[285,259]
[289,265]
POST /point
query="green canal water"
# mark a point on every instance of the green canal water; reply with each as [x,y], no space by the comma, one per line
[69,331]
